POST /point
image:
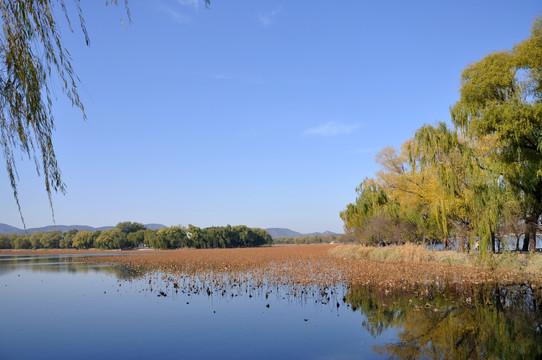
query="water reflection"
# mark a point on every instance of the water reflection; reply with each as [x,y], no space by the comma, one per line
[110,313]
[63,263]
[63,306]
[493,322]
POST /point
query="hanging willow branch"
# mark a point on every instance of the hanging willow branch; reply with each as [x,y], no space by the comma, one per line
[32,57]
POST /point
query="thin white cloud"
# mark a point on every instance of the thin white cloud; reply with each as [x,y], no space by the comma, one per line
[178,10]
[331,129]
[268,18]
[175,15]
[189,3]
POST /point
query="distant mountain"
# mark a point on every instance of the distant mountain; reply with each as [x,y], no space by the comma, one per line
[282,232]
[7,229]
[102,228]
[62,228]
[155,226]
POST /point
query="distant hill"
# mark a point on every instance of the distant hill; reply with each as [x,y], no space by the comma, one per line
[155,226]
[282,232]
[7,229]
[63,228]
[101,228]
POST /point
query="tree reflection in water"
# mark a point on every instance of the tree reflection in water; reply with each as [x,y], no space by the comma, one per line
[467,323]
[66,263]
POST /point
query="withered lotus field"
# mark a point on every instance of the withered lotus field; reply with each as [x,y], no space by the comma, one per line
[310,265]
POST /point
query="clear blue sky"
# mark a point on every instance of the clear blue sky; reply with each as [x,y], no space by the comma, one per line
[264,113]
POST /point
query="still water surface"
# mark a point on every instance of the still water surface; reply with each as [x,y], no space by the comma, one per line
[55,308]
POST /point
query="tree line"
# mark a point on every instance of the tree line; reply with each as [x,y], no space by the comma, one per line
[129,235]
[473,184]
[314,239]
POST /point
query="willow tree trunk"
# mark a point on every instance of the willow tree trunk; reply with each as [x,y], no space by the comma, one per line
[531,227]
[526,240]
[493,242]
[462,242]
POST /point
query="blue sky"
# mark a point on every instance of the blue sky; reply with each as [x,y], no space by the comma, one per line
[264,113]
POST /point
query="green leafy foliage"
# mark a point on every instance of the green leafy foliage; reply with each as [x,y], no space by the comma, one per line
[32,59]
[472,184]
[129,235]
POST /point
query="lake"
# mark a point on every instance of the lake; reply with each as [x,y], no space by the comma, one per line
[53,307]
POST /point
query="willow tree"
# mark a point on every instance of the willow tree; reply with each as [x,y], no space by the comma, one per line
[501,103]
[440,152]
[358,216]
[32,59]
[473,197]
[412,190]
[395,207]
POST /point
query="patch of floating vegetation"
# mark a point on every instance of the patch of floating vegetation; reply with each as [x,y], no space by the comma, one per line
[224,287]
[313,265]
[285,265]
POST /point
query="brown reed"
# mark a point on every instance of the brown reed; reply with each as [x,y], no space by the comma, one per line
[401,269]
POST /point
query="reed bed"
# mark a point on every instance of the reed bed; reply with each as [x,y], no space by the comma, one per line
[393,269]
[324,266]
[529,265]
[280,264]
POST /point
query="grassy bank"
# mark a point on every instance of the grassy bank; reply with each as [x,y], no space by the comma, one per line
[530,264]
